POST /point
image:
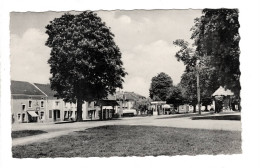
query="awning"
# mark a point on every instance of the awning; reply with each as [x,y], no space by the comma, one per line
[222,92]
[129,111]
[32,113]
[108,107]
[106,103]
[166,106]
[158,102]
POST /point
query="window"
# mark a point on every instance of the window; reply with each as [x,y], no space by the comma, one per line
[42,115]
[57,103]
[42,103]
[65,114]
[50,113]
[58,113]
[19,117]
[30,103]
[23,107]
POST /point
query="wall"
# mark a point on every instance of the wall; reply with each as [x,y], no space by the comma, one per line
[65,108]
[19,100]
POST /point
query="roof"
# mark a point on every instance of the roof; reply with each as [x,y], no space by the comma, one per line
[222,92]
[46,88]
[129,96]
[111,97]
[25,88]
[106,103]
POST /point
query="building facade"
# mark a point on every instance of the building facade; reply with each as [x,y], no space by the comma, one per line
[34,102]
[28,104]
[57,109]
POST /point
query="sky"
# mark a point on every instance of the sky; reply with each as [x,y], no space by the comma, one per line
[144,37]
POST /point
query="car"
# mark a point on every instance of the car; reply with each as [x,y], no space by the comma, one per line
[129,112]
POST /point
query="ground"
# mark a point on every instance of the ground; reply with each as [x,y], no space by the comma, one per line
[138,136]
[25,133]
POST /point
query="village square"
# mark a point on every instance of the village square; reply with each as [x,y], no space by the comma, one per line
[120,83]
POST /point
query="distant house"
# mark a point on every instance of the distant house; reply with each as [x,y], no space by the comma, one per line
[108,105]
[28,103]
[128,98]
[127,101]
[184,108]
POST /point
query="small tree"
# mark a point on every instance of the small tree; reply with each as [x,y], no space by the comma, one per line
[160,86]
[175,96]
[141,105]
[85,61]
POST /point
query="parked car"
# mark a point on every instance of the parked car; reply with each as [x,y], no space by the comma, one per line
[129,112]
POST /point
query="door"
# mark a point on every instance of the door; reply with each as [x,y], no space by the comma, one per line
[56,115]
[23,117]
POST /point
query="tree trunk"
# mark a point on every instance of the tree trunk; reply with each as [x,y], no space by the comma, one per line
[206,108]
[79,109]
[101,113]
[194,108]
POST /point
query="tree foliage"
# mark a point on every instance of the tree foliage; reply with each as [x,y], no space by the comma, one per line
[217,38]
[186,54]
[208,76]
[208,84]
[160,86]
[141,105]
[85,61]
[175,96]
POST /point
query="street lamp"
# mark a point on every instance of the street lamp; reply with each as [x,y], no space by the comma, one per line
[198,84]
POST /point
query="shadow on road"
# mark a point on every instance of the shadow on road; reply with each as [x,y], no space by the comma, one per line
[95,120]
[184,115]
[224,117]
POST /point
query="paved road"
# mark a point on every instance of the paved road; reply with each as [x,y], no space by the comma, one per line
[180,121]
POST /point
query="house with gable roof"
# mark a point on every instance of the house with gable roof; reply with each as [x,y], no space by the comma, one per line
[28,103]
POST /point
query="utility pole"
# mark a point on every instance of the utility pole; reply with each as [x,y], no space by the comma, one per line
[198,85]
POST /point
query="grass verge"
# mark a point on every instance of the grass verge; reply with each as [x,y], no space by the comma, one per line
[25,133]
[107,141]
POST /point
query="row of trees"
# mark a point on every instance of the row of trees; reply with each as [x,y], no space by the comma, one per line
[86,63]
[216,48]
[214,55]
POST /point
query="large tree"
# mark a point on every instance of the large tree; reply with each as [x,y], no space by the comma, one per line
[160,86]
[85,61]
[217,38]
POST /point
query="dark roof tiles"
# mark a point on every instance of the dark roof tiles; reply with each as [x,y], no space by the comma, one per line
[26,88]
[46,88]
